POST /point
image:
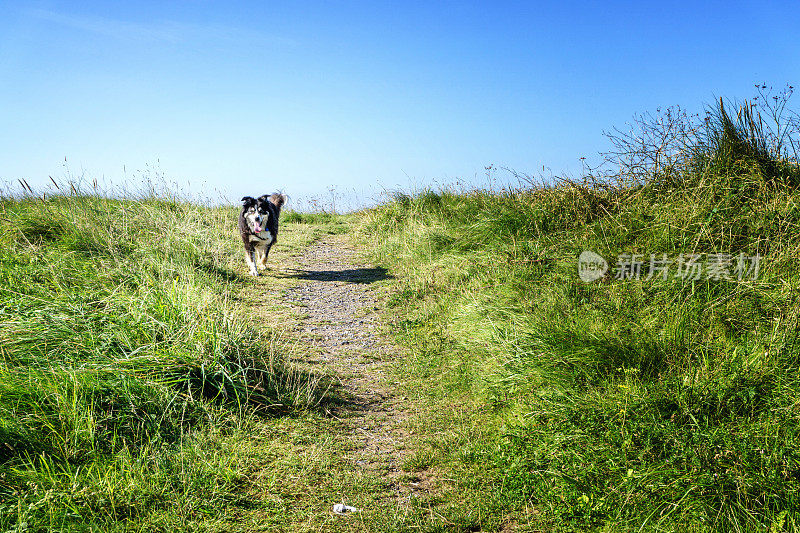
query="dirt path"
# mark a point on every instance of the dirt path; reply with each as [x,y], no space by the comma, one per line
[338,297]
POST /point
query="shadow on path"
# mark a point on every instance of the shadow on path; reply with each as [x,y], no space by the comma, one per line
[349,275]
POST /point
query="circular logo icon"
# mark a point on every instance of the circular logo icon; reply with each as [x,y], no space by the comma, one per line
[591,266]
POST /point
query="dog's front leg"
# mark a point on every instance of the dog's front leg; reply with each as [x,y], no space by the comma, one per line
[264,255]
[259,257]
[250,255]
[263,252]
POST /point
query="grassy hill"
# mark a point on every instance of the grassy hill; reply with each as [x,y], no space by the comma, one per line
[132,376]
[620,404]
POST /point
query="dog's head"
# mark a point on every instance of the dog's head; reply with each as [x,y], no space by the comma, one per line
[256,213]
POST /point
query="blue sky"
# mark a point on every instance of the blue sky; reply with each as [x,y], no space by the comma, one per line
[235,98]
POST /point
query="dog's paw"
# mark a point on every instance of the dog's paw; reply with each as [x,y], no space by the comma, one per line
[254,273]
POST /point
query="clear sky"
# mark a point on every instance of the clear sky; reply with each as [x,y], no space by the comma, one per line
[248,97]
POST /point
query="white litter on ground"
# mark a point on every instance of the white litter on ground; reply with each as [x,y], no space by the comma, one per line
[341,508]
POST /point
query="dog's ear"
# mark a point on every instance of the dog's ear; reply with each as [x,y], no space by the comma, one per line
[247,200]
[277,199]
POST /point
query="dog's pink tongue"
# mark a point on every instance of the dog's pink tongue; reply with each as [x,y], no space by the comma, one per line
[258,228]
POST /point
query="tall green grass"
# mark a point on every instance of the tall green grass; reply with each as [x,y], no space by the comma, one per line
[124,358]
[620,404]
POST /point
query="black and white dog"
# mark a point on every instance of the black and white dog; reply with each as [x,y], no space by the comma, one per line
[258,224]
